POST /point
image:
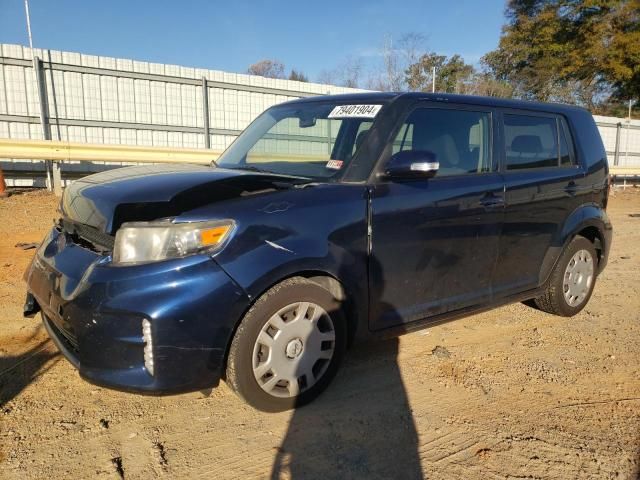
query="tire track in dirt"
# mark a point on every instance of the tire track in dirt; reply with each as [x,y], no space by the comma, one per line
[520,394]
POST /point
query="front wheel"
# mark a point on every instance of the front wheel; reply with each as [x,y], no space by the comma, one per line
[572,280]
[287,347]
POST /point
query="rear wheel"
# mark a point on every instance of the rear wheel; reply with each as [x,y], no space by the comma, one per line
[288,346]
[572,280]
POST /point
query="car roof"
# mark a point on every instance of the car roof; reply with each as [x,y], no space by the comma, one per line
[385,97]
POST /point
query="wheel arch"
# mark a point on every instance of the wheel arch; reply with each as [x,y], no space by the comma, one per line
[595,236]
[326,280]
[589,221]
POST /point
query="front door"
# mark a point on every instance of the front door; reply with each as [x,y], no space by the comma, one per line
[434,242]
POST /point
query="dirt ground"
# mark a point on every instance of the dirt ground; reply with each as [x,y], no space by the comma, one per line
[513,393]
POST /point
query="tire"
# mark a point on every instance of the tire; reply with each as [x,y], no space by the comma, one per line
[285,336]
[558,298]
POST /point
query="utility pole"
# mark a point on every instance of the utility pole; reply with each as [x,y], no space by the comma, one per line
[26,9]
[35,66]
[433,79]
[54,181]
[626,153]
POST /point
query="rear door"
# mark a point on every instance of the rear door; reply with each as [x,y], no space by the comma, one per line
[543,186]
[434,242]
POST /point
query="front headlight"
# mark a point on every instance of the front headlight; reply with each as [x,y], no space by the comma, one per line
[140,242]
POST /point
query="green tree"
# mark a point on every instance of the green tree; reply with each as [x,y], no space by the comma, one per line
[485,84]
[569,50]
[453,75]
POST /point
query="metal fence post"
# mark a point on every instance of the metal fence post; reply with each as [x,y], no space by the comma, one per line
[37,72]
[205,112]
[616,158]
[54,167]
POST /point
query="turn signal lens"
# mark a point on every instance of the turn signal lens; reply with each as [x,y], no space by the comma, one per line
[212,236]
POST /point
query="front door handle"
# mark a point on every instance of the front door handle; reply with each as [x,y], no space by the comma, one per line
[491,200]
[571,188]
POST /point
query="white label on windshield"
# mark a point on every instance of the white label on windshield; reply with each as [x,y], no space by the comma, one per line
[335,164]
[355,111]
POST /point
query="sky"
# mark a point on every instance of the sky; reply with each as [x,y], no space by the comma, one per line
[309,36]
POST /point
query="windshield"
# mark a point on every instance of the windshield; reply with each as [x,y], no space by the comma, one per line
[314,139]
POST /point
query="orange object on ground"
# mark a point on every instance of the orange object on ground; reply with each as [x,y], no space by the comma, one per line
[3,185]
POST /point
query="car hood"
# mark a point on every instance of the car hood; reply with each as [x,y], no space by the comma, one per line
[108,199]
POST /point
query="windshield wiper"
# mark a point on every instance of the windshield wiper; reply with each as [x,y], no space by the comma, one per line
[250,168]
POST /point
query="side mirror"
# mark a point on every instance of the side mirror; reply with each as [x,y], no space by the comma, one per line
[412,164]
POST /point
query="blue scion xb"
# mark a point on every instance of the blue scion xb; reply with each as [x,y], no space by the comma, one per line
[328,220]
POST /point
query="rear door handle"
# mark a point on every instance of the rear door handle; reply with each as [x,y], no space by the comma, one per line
[491,200]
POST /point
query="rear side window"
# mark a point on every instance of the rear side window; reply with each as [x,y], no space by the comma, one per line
[535,142]
[459,139]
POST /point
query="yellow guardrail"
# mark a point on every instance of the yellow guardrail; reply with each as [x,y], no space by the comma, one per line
[630,171]
[58,151]
[260,157]
[74,151]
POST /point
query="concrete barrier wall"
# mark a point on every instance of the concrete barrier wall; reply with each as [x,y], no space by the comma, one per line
[120,101]
[621,138]
[126,102]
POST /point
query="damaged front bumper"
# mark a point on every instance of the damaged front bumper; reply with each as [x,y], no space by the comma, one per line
[94,311]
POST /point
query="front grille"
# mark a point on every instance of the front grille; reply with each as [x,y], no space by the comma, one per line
[87,236]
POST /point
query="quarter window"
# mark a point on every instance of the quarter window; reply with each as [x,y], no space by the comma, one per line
[565,156]
[459,139]
[534,142]
[361,135]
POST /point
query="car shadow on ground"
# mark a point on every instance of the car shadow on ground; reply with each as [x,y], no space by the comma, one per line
[18,371]
[333,436]
[362,426]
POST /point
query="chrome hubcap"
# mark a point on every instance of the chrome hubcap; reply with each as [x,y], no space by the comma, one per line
[293,349]
[578,278]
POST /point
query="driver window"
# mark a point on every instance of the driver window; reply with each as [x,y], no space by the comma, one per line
[459,139]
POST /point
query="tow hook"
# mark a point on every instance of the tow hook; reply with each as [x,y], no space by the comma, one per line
[31,306]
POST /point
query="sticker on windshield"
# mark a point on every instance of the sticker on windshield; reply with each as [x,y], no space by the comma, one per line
[335,164]
[355,111]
